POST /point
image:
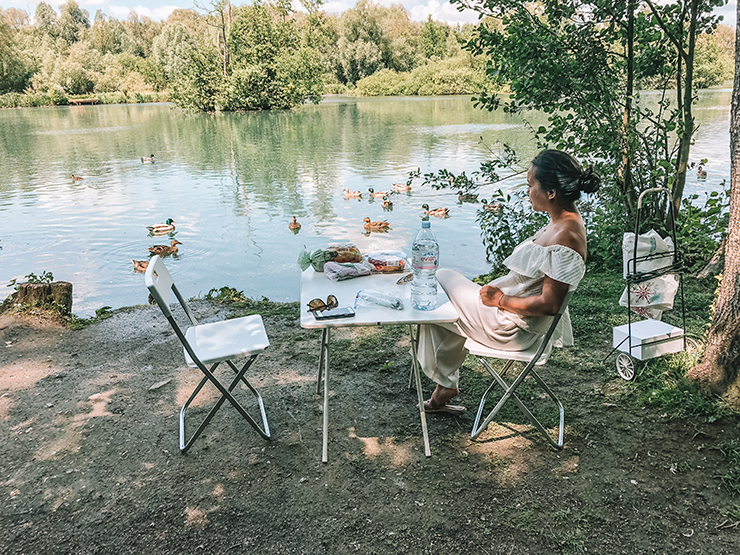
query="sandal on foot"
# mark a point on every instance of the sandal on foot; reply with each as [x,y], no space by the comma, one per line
[430,406]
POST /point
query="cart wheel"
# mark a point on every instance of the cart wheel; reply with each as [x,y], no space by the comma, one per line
[626,366]
[692,345]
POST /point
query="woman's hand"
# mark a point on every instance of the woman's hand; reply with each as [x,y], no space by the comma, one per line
[489,295]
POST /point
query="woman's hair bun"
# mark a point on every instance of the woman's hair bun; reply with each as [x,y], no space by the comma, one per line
[589,182]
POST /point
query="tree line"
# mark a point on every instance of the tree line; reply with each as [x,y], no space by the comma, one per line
[263,55]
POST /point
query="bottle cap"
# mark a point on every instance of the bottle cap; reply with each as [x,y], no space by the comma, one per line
[426,224]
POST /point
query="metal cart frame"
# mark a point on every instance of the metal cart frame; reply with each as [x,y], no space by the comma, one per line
[626,362]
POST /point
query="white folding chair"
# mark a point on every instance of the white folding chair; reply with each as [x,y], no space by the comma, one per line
[212,344]
[536,355]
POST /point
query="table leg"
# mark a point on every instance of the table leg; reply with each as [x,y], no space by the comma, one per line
[324,341]
[414,332]
[325,359]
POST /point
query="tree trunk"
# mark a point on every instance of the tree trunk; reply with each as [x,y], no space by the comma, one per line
[719,372]
[57,295]
[625,170]
[688,118]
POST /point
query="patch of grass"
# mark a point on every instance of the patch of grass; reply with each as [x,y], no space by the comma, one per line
[730,477]
[662,383]
[75,323]
[246,306]
[372,347]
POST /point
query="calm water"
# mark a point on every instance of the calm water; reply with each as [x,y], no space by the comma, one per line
[233,181]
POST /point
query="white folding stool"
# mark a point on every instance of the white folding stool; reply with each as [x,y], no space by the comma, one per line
[536,355]
[211,344]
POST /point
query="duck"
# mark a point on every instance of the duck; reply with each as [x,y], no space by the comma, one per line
[140,265]
[145,159]
[379,194]
[75,178]
[376,226]
[701,173]
[162,250]
[294,226]
[401,187]
[162,228]
[438,212]
[387,203]
[467,197]
[490,207]
[352,194]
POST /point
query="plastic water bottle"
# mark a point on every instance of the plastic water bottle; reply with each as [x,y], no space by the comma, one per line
[424,261]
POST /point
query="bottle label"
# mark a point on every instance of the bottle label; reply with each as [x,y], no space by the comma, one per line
[427,261]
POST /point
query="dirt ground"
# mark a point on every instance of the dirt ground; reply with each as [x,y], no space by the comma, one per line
[90,460]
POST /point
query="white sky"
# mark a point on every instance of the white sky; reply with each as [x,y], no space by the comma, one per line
[158,9]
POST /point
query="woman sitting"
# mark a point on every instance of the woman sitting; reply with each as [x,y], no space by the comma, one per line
[515,310]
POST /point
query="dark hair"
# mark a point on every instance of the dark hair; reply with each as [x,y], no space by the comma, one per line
[558,171]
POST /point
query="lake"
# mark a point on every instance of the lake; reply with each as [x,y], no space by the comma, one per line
[232,183]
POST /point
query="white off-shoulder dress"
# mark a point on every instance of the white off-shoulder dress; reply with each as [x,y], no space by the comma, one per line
[442,347]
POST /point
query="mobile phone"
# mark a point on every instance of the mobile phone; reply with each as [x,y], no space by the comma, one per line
[332,313]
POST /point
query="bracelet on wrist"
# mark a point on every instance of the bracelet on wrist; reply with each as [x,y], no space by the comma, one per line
[499,302]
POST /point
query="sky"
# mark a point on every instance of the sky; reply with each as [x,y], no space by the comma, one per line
[159,9]
[419,10]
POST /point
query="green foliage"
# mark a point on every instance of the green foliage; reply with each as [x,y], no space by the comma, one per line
[701,227]
[433,39]
[385,82]
[45,277]
[715,57]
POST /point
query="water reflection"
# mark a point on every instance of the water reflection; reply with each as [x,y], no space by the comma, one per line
[233,183]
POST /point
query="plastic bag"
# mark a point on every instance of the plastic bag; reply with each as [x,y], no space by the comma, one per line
[650,298]
[340,253]
[338,272]
[387,262]
[371,297]
[649,243]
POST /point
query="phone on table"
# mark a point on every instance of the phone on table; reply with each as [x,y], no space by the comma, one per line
[333,313]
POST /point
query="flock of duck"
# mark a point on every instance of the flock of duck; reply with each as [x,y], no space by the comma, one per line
[161,250]
[384,196]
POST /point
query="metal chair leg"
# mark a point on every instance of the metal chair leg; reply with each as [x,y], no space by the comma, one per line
[509,393]
[225,395]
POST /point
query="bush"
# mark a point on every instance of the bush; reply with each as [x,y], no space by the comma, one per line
[385,82]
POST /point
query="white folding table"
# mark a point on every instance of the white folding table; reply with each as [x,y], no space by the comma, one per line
[317,285]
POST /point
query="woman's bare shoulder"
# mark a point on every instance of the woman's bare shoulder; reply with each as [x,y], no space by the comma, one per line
[571,233]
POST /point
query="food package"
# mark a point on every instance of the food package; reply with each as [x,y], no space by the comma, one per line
[338,272]
[371,297]
[339,253]
[387,262]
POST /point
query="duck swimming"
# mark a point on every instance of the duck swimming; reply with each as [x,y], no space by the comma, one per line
[149,159]
[701,173]
[294,226]
[401,187]
[387,203]
[490,207]
[162,250]
[376,226]
[379,194]
[467,197]
[75,178]
[140,265]
[166,227]
[352,194]
[438,212]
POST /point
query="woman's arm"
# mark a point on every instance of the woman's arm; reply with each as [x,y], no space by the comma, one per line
[547,303]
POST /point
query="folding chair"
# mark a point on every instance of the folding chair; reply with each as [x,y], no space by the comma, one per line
[211,344]
[536,355]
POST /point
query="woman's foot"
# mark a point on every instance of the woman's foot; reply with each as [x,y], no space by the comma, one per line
[439,401]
